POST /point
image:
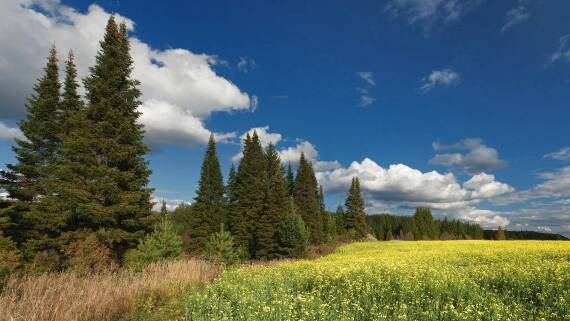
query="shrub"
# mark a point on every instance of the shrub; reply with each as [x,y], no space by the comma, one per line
[9,258]
[220,248]
[46,261]
[292,236]
[162,244]
[89,256]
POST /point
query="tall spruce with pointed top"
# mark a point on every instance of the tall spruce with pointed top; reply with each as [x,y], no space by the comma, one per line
[290,180]
[306,200]
[355,216]
[163,209]
[71,104]
[38,148]
[249,193]
[27,178]
[103,176]
[275,207]
[209,208]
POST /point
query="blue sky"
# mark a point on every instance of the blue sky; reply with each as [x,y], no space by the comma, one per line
[462,106]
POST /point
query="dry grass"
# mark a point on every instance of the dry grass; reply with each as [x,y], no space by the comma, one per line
[98,297]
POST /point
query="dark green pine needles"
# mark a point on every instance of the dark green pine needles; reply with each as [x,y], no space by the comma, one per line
[306,200]
[275,207]
[249,192]
[355,216]
[210,203]
[102,174]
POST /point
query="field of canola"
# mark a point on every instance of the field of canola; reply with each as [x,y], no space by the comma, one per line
[431,280]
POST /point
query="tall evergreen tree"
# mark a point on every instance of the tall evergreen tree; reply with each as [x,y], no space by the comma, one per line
[340,220]
[71,104]
[290,180]
[500,234]
[292,236]
[230,193]
[275,207]
[37,149]
[249,192]
[355,216]
[426,227]
[102,173]
[209,208]
[26,180]
[306,200]
[163,209]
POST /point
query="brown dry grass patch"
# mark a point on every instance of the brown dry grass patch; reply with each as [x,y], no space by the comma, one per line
[109,296]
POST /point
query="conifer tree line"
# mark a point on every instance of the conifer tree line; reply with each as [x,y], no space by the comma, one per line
[270,211]
[421,226]
[80,176]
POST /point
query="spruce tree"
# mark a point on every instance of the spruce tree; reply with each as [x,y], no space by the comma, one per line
[500,234]
[290,180]
[26,180]
[71,104]
[23,180]
[275,207]
[209,208]
[230,193]
[102,172]
[340,220]
[163,209]
[249,193]
[426,227]
[292,236]
[355,216]
[306,200]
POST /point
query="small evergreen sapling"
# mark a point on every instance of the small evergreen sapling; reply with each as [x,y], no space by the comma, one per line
[162,244]
[220,248]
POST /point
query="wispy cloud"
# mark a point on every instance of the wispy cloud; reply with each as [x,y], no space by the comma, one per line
[563,154]
[515,16]
[368,77]
[430,13]
[563,51]
[444,77]
[246,64]
[365,98]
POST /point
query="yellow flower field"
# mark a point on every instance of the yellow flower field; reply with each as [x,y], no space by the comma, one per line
[432,280]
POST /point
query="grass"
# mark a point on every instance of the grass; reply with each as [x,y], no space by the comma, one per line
[435,280]
[98,297]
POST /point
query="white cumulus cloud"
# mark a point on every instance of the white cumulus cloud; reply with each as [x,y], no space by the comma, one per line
[175,81]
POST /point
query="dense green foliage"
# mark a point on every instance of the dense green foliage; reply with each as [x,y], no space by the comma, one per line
[420,226]
[500,234]
[220,248]
[210,202]
[162,244]
[81,178]
[524,235]
[292,236]
[355,216]
[306,200]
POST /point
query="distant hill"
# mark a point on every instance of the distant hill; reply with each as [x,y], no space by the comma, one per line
[525,235]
